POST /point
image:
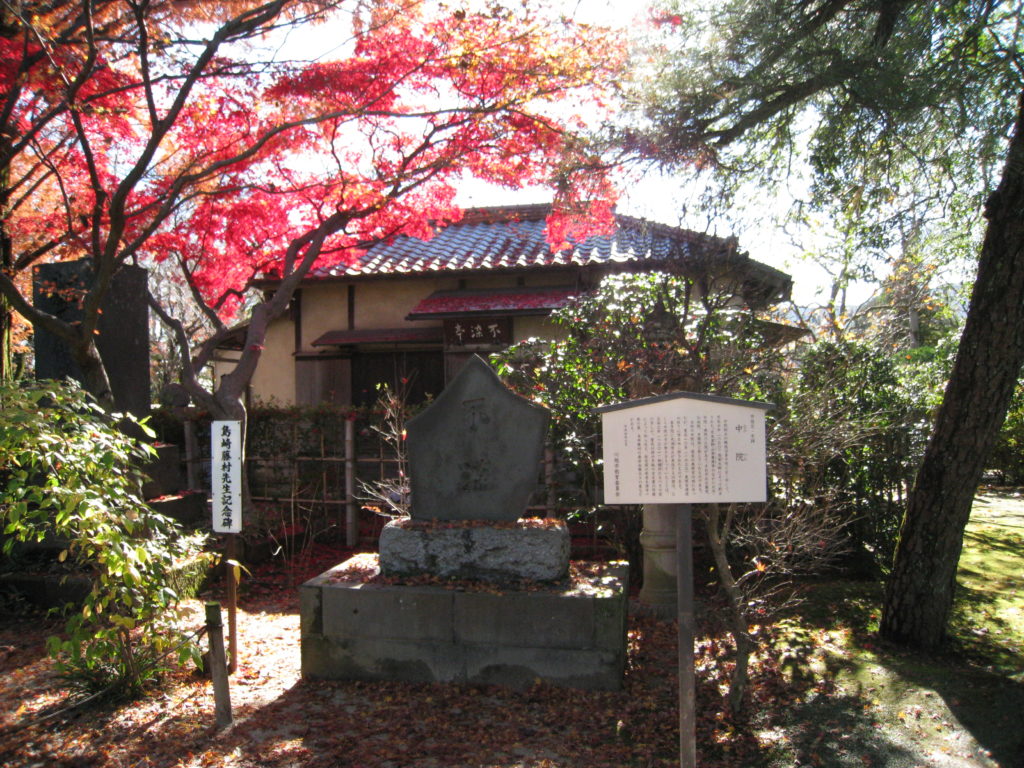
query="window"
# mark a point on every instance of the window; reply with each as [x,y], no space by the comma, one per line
[421,370]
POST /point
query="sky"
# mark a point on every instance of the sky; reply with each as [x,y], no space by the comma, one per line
[653,196]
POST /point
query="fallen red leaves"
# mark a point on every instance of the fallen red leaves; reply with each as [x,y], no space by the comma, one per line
[282,720]
[364,567]
[510,525]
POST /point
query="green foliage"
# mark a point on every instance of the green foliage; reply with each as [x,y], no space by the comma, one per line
[636,335]
[882,124]
[848,432]
[877,427]
[273,430]
[70,475]
[891,101]
[1007,455]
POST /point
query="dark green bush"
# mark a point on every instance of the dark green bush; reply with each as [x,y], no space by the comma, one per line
[876,427]
[1007,457]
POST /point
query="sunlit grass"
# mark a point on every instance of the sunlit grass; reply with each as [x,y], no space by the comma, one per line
[884,695]
[988,620]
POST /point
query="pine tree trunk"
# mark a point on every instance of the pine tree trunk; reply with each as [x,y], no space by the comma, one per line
[919,595]
[6,263]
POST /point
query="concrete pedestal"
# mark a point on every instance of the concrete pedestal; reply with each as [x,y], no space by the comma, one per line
[354,627]
[658,539]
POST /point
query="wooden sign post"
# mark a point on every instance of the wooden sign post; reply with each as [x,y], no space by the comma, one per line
[226,481]
[677,450]
[218,669]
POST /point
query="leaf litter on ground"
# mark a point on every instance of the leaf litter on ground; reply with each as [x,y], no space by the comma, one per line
[824,693]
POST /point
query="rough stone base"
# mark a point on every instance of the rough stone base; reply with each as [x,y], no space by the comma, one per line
[529,549]
[164,472]
[187,508]
[356,628]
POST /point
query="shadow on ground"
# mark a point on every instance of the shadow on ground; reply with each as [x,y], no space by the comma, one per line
[894,704]
[988,706]
[840,732]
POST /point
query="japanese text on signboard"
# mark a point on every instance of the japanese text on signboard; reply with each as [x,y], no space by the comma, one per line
[684,451]
[226,476]
[462,332]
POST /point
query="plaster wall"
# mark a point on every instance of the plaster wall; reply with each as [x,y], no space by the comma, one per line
[484,281]
[324,308]
[274,378]
[525,327]
[224,363]
[378,304]
[275,375]
[385,303]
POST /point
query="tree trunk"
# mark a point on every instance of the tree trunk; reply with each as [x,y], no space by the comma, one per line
[94,372]
[6,342]
[6,261]
[919,595]
[718,535]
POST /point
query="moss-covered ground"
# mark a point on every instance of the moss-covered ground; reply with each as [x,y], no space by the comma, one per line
[886,706]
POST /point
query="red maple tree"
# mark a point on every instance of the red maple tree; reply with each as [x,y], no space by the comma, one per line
[133,131]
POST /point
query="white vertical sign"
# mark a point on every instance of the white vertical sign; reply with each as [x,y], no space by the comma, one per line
[684,449]
[226,476]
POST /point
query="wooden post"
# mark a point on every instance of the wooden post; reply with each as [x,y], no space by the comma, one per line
[684,599]
[323,475]
[218,668]
[231,556]
[351,513]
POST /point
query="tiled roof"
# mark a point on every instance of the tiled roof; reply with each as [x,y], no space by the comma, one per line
[513,237]
[502,301]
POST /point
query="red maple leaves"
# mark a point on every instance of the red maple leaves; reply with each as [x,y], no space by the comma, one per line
[130,147]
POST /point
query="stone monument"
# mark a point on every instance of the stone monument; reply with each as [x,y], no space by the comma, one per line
[123,339]
[488,595]
[474,455]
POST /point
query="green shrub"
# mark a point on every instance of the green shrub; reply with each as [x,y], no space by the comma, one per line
[636,335]
[877,423]
[69,473]
[1007,457]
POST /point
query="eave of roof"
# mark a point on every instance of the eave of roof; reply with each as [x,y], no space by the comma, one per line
[780,334]
[515,237]
[493,303]
[380,336]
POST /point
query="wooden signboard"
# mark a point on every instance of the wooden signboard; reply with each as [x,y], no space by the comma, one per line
[677,450]
[684,448]
[226,476]
[468,332]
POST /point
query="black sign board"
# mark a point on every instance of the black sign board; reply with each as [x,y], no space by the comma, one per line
[476,331]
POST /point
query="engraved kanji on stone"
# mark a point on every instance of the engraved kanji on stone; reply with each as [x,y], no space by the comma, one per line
[475,453]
